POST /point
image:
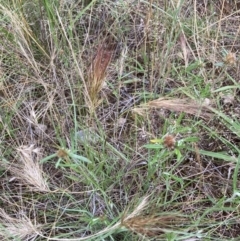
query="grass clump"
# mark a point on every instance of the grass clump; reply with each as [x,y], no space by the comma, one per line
[119,120]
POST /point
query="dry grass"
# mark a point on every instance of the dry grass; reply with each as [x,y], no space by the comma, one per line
[150,225]
[21,227]
[24,36]
[169,63]
[27,170]
[177,105]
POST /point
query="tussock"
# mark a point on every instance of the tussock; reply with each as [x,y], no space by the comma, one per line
[27,169]
[179,105]
[21,227]
[137,222]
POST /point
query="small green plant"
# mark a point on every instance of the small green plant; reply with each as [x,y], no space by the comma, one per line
[169,144]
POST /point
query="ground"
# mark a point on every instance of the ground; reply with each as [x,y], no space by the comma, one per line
[119,120]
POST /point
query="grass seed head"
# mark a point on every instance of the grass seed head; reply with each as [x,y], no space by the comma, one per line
[28,170]
[151,225]
[96,75]
[21,228]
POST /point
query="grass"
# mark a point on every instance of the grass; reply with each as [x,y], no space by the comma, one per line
[119,120]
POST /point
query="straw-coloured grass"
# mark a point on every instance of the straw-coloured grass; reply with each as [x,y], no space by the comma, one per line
[27,169]
[22,227]
[178,105]
[150,225]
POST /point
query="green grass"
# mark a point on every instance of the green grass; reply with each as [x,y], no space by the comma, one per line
[119,120]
